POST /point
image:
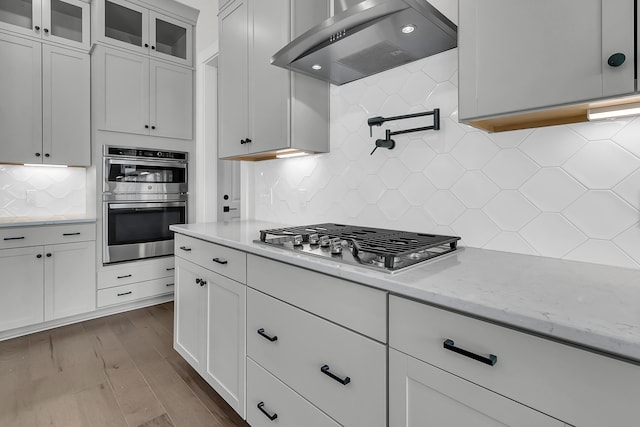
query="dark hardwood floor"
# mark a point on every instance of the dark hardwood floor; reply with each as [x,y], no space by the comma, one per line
[119,370]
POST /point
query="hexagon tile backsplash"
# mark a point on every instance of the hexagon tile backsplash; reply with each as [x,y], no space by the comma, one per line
[569,192]
[41,191]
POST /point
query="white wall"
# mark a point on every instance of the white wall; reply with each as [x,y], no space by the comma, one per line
[566,192]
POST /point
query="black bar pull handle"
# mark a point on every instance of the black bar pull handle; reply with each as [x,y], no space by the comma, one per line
[264,411]
[168,285]
[450,345]
[325,370]
[171,268]
[220,261]
[186,249]
[124,277]
[71,234]
[262,333]
[14,238]
[125,293]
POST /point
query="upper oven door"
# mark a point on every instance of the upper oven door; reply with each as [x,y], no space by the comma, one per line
[134,176]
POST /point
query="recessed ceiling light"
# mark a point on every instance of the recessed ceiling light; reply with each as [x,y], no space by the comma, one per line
[408,29]
[316,67]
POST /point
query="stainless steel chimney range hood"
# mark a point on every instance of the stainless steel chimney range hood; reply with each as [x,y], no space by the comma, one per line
[367,38]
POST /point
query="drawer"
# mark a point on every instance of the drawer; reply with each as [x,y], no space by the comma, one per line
[135,291]
[133,272]
[20,237]
[220,259]
[266,392]
[554,378]
[305,343]
[352,305]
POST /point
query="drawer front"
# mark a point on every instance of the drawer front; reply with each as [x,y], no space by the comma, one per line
[20,237]
[305,343]
[220,259]
[135,291]
[554,378]
[136,272]
[266,393]
[355,306]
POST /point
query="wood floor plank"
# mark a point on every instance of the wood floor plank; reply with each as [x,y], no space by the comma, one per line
[100,408]
[116,371]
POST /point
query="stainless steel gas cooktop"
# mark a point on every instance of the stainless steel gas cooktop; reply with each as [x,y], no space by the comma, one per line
[376,248]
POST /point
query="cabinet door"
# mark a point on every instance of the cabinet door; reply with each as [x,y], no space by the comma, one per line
[171,39]
[189,313]
[66,22]
[121,91]
[20,100]
[21,286]
[421,395]
[171,100]
[69,279]
[233,81]
[224,369]
[270,86]
[21,16]
[66,106]
[518,56]
[123,24]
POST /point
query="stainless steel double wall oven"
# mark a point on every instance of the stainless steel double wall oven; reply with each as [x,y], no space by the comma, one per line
[144,191]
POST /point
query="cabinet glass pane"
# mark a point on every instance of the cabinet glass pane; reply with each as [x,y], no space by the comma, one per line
[66,20]
[171,39]
[17,12]
[123,24]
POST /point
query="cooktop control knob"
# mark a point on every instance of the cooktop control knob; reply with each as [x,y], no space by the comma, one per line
[314,239]
[336,246]
[297,240]
[325,241]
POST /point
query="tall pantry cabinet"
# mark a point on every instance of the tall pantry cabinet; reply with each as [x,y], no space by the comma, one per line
[45,81]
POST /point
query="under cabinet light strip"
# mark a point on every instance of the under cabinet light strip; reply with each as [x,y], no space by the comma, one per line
[614,111]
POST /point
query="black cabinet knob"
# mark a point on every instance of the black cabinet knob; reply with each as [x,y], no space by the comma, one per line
[146,126]
[153,127]
[48,255]
[47,155]
[37,154]
[39,256]
[617,59]
[37,27]
[153,48]
[146,45]
[46,30]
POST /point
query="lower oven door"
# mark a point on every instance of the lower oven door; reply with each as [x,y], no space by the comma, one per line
[138,230]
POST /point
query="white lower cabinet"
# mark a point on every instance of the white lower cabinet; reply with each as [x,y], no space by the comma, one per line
[22,301]
[271,402]
[44,278]
[340,372]
[209,333]
[421,395]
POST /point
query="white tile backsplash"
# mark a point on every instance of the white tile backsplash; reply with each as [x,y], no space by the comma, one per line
[41,191]
[565,191]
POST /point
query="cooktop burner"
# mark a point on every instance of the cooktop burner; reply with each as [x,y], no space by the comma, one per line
[380,249]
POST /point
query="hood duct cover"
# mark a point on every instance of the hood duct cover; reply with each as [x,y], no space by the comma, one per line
[367,38]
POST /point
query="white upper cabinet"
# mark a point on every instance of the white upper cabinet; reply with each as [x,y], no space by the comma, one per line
[44,107]
[127,25]
[59,21]
[264,109]
[142,96]
[516,57]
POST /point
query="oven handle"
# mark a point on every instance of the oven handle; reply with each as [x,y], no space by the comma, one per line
[115,206]
[180,164]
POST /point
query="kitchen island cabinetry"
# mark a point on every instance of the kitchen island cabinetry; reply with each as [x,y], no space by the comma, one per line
[297,331]
[444,365]
[139,95]
[45,104]
[553,54]
[264,109]
[48,273]
[209,315]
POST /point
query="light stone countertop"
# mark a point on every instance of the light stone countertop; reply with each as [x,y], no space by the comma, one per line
[591,305]
[28,221]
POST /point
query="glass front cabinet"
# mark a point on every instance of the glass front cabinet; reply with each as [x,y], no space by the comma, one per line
[133,27]
[60,21]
